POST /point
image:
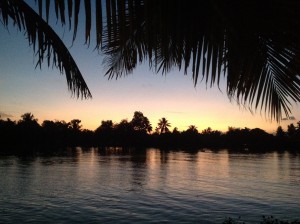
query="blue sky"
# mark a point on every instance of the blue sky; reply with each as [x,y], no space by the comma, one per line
[44,92]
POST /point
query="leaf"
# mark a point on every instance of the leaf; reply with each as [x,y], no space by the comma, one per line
[46,43]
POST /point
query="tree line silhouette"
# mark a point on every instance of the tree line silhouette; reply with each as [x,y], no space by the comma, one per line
[138,132]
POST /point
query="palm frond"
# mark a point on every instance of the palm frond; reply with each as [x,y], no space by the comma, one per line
[255,44]
[46,43]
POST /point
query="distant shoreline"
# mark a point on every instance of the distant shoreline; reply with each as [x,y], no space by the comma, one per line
[27,134]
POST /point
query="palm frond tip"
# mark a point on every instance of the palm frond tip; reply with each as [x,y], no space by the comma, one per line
[46,43]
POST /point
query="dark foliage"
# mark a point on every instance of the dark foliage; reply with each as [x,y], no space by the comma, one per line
[255,44]
[27,133]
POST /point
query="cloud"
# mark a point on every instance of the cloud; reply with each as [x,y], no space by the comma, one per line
[4,115]
[176,112]
[291,118]
[147,85]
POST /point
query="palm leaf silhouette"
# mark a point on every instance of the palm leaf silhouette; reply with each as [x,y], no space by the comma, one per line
[254,44]
[46,43]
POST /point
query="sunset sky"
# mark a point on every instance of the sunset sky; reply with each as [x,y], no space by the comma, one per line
[44,92]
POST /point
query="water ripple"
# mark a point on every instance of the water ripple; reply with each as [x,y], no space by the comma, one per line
[151,186]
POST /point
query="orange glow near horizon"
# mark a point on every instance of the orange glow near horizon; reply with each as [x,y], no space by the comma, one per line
[91,119]
[44,93]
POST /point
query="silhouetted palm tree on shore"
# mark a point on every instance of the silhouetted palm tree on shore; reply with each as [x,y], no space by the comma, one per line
[254,44]
[192,129]
[163,125]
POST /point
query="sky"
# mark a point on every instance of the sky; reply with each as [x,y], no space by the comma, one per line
[44,92]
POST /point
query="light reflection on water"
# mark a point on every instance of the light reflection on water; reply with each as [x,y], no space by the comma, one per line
[149,186]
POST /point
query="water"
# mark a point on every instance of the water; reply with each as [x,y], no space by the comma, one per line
[148,186]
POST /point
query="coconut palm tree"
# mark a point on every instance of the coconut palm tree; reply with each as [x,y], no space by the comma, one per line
[28,118]
[255,44]
[192,129]
[163,125]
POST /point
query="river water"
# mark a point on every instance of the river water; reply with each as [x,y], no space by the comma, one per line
[115,185]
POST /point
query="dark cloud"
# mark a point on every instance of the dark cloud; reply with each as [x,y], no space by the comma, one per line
[291,118]
[4,115]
